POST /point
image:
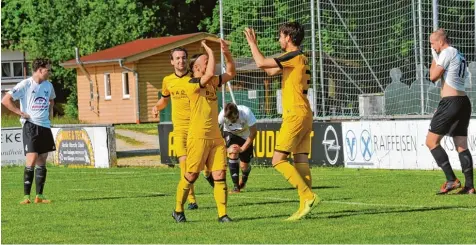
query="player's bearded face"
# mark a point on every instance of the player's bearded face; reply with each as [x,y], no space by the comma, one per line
[282,41]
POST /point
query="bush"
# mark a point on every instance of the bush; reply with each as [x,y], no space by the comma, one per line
[71,107]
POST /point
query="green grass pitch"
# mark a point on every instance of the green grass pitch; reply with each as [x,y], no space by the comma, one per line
[134,205]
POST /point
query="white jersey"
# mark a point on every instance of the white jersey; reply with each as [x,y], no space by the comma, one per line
[455,67]
[34,100]
[242,126]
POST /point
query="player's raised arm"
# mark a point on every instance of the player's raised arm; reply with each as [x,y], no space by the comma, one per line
[230,64]
[210,71]
[261,61]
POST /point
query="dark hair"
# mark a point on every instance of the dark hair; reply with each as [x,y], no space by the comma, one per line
[293,30]
[178,49]
[192,62]
[231,109]
[40,63]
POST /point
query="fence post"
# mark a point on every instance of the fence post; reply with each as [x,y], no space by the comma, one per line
[420,30]
[435,14]
[313,48]
[321,65]
[222,58]
[415,39]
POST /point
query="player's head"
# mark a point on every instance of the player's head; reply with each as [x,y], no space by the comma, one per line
[290,34]
[198,64]
[178,58]
[41,68]
[231,112]
[439,39]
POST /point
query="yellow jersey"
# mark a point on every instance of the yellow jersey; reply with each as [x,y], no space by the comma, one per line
[174,86]
[295,84]
[203,109]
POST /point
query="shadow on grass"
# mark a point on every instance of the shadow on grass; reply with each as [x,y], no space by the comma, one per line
[348,213]
[277,216]
[248,204]
[288,188]
[120,197]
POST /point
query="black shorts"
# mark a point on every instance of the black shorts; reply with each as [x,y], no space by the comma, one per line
[37,139]
[232,139]
[452,116]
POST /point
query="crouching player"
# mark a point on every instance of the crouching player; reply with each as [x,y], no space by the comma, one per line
[239,131]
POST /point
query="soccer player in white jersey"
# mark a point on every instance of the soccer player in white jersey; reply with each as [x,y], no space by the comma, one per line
[453,113]
[36,96]
[239,131]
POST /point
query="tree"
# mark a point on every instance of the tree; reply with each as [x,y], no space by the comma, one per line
[52,28]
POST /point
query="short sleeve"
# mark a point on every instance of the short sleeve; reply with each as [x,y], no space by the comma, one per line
[444,59]
[165,91]
[53,93]
[221,117]
[287,59]
[250,117]
[19,90]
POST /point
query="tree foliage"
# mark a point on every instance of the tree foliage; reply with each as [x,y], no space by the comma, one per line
[52,28]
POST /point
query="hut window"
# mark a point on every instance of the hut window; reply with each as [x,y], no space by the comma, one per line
[125,85]
[107,86]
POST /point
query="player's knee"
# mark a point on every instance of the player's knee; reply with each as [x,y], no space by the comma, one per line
[431,144]
[245,166]
[461,143]
[278,157]
[191,177]
[220,174]
[233,149]
[233,156]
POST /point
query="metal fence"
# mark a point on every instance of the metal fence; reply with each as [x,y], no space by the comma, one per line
[369,59]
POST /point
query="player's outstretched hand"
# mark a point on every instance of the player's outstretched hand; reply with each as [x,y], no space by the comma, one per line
[224,47]
[154,111]
[250,35]
[204,45]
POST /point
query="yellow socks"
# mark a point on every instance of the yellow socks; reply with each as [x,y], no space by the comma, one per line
[292,176]
[183,189]
[305,172]
[220,192]
[191,195]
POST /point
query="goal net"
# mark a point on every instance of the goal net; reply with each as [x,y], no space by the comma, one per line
[367,54]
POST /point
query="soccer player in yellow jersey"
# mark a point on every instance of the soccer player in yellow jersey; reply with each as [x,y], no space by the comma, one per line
[205,145]
[173,86]
[294,135]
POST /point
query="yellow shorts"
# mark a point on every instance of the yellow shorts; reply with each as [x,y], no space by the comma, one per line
[295,135]
[207,154]
[180,142]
